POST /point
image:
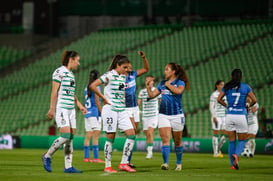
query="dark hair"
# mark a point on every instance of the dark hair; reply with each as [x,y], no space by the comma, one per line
[68,54]
[236,77]
[180,73]
[217,83]
[118,60]
[93,75]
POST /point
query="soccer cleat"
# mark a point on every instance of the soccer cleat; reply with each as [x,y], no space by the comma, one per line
[131,165]
[164,166]
[149,156]
[97,160]
[232,167]
[235,159]
[72,170]
[110,170]
[126,167]
[46,163]
[251,155]
[87,160]
[220,155]
[178,167]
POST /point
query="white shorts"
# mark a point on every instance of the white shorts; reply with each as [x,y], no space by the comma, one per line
[149,122]
[65,117]
[133,112]
[176,122]
[236,122]
[113,120]
[221,123]
[253,129]
[92,123]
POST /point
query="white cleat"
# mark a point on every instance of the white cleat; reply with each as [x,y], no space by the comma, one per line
[178,167]
[149,156]
[164,166]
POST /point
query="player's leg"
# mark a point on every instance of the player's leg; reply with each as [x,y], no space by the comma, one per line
[88,136]
[95,146]
[164,127]
[149,142]
[215,136]
[177,131]
[109,119]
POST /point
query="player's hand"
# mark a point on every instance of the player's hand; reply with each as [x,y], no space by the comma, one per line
[215,120]
[148,82]
[106,101]
[83,110]
[50,114]
[141,53]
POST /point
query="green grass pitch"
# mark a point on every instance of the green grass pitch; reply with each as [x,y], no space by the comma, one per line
[26,165]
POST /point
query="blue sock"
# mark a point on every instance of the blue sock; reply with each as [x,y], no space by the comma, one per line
[179,154]
[240,146]
[165,150]
[95,151]
[86,151]
[231,150]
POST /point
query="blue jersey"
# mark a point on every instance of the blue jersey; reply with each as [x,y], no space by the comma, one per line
[90,104]
[171,104]
[130,89]
[237,99]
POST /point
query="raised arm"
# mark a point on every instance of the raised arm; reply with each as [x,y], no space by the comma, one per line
[152,93]
[146,66]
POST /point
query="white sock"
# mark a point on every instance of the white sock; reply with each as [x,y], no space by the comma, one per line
[247,145]
[55,146]
[108,149]
[222,142]
[252,145]
[150,149]
[215,145]
[127,149]
[68,150]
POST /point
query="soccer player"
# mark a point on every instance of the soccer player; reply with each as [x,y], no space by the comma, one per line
[252,127]
[130,94]
[113,113]
[218,115]
[92,120]
[63,100]
[149,114]
[171,117]
[236,93]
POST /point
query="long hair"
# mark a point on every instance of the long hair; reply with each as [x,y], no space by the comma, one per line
[93,75]
[236,77]
[66,55]
[118,60]
[180,73]
[217,83]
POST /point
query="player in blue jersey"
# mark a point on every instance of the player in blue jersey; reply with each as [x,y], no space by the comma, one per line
[171,117]
[113,113]
[92,120]
[130,93]
[62,107]
[236,93]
